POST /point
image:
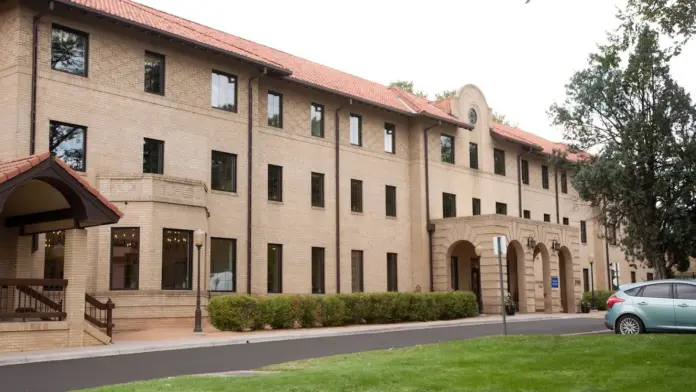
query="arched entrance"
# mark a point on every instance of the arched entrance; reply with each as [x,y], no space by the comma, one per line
[565,266]
[542,279]
[516,275]
[465,269]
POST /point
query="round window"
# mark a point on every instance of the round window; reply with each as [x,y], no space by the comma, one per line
[472,116]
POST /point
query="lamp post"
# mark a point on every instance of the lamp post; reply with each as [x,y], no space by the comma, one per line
[592,280]
[198,240]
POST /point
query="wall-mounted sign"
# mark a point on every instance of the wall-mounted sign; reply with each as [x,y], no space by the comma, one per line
[554,282]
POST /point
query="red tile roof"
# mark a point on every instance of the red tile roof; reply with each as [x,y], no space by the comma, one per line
[15,167]
[295,68]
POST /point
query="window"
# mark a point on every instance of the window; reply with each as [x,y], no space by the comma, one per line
[223,168]
[583,232]
[586,279]
[499,161]
[564,181]
[686,291]
[449,205]
[545,177]
[54,257]
[661,290]
[356,202]
[355,129]
[317,190]
[634,291]
[223,264]
[154,73]
[356,271]
[447,148]
[547,217]
[390,138]
[69,143]
[476,206]
[566,221]
[527,214]
[224,91]
[649,276]
[611,234]
[275,268]
[392,274]
[153,156]
[275,109]
[390,197]
[318,271]
[501,208]
[473,155]
[125,258]
[316,114]
[275,183]
[525,172]
[69,50]
[177,256]
[454,269]
[633,276]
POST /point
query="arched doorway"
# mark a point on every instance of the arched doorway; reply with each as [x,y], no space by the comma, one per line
[565,266]
[542,279]
[465,269]
[515,269]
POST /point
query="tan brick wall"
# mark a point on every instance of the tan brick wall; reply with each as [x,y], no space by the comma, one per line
[33,336]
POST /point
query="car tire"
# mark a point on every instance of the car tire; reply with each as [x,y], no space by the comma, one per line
[629,325]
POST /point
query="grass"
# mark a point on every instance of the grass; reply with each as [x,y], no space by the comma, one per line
[517,363]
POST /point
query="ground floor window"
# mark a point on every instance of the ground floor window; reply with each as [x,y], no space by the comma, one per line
[318,271]
[356,271]
[275,268]
[392,272]
[586,279]
[454,269]
[177,256]
[223,264]
[125,255]
[54,257]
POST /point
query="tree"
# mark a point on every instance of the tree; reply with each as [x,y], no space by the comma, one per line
[502,119]
[407,85]
[445,94]
[641,124]
[675,18]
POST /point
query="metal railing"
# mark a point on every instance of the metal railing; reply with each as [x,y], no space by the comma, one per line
[100,314]
[32,299]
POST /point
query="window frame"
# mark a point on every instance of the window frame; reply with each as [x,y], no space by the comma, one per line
[190,260]
[357,204]
[633,277]
[234,264]
[544,176]
[234,171]
[390,212]
[322,275]
[524,167]
[312,108]
[392,261]
[236,91]
[84,142]
[361,277]
[451,196]
[564,181]
[111,260]
[162,73]
[526,214]
[473,156]
[279,197]
[547,216]
[566,221]
[76,32]
[676,291]
[322,202]
[280,269]
[498,154]
[475,206]
[583,232]
[586,280]
[500,205]
[350,129]
[442,156]
[393,138]
[669,286]
[160,160]
[280,109]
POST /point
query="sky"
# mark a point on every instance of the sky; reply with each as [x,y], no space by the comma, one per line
[520,55]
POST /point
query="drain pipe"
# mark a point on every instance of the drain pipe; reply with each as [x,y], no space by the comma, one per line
[610,284]
[34,77]
[249,173]
[337,168]
[555,181]
[519,179]
[429,226]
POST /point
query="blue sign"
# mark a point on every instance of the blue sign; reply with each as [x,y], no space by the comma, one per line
[554,282]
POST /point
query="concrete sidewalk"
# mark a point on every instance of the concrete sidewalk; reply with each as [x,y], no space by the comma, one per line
[187,339]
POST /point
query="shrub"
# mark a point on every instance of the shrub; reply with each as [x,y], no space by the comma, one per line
[600,296]
[280,312]
[333,312]
[306,310]
[233,313]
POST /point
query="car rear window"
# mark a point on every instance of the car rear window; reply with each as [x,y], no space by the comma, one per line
[656,291]
[633,292]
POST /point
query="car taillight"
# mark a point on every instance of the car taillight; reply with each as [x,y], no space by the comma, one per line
[613,300]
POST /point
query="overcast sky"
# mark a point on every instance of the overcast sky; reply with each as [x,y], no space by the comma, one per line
[520,55]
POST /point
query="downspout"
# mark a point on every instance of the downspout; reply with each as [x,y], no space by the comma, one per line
[337,184]
[249,172]
[555,181]
[519,179]
[606,255]
[429,226]
[34,78]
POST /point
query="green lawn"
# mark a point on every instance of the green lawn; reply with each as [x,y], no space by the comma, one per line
[519,363]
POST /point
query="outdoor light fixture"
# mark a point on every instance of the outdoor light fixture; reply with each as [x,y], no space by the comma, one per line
[531,242]
[478,250]
[198,240]
[555,245]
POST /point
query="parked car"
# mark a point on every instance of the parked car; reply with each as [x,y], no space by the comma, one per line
[659,305]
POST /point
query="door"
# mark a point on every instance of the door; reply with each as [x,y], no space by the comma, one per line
[454,267]
[476,285]
[685,306]
[655,306]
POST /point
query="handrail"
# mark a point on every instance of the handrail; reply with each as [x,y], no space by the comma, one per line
[40,297]
[33,282]
[94,313]
[30,299]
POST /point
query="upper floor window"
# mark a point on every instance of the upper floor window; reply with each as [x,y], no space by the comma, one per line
[447,148]
[68,142]
[449,205]
[223,168]
[275,183]
[275,109]
[153,156]
[547,217]
[355,129]
[473,155]
[501,208]
[69,50]
[545,177]
[564,181]
[356,196]
[566,221]
[317,190]
[154,73]
[525,172]
[475,206]
[389,138]
[499,161]
[316,114]
[527,214]
[583,232]
[224,91]
[390,199]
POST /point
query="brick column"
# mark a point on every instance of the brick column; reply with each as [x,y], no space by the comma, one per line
[76,273]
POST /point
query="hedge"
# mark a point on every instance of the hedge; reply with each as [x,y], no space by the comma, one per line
[247,313]
[600,296]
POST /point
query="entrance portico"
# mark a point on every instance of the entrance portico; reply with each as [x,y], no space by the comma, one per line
[539,254]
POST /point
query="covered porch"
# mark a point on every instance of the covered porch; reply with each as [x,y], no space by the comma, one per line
[43,303]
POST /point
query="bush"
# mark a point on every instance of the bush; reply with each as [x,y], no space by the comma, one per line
[243,313]
[600,296]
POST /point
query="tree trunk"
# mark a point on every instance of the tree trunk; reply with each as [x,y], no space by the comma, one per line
[659,269]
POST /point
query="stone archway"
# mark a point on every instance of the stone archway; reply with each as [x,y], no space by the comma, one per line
[464,269]
[542,279]
[565,266]
[515,269]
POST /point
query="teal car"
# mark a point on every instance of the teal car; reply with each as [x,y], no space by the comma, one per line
[659,305]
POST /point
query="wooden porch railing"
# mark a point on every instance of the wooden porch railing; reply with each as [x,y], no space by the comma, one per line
[32,299]
[100,314]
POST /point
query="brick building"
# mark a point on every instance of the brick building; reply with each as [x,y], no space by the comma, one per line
[306,179]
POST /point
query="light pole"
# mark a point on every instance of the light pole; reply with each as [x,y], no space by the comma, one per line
[592,280]
[198,240]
